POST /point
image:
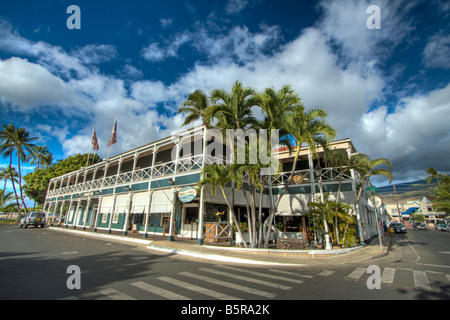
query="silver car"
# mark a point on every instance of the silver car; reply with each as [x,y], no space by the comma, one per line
[33,219]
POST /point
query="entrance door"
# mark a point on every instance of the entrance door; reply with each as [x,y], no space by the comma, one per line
[190,216]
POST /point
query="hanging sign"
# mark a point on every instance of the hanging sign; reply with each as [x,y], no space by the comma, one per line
[187,194]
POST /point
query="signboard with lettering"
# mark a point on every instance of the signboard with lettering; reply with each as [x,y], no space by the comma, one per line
[187,194]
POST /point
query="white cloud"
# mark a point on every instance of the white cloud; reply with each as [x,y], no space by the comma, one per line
[437,51]
[95,54]
[38,87]
[415,135]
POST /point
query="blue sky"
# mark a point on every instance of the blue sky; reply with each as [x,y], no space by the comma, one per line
[387,89]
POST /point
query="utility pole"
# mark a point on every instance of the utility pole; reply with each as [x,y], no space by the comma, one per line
[398,210]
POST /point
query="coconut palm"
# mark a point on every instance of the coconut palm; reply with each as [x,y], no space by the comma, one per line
[7,148]
[433,174]
[366,168]
[218,176]
[5,175]
[197,106]
[6,201]
[40,155]
[23,145]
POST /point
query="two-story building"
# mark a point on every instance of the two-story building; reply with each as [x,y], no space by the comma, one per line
[143,189]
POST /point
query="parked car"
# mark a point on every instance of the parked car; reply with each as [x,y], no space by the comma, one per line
[398,227]
[442,227]
[420,226]
[448,227]
[33,219]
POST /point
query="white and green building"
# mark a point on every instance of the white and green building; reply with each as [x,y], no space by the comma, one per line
[143,189]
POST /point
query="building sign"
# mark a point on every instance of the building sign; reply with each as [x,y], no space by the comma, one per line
[187,194]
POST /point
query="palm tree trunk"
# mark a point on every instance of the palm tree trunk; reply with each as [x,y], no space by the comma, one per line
[274,209]
[20,185]
[233,216]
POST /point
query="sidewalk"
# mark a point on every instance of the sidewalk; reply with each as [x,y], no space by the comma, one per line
[274,257]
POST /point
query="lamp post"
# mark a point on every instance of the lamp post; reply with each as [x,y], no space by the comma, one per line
[318,172]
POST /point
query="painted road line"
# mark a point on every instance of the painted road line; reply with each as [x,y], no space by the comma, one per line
[114,294]
[261,274]
[198,289]
[388,275]
[357,273]
[248,279]
[230,285]
[159,291]
[421,280]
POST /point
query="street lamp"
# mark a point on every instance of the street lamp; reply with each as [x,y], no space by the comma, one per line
[318,172]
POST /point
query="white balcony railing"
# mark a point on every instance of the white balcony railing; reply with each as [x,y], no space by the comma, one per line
[193,163]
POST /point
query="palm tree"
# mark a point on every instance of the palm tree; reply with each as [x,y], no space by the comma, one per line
[442,200]
[6,201]
[219,176]
[7,147]
[366,168]
[197,106]
[23,144]
[307,128]
[5,174]
[235,105]
[40,155]
[433,174]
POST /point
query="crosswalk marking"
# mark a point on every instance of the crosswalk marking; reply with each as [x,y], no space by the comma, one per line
[159,291]
[266,275]
[292,273]
[388,275]
[198,289]
[357,273]
[230,285]
[114,294]
[326,273]
[243,278]
[421,280]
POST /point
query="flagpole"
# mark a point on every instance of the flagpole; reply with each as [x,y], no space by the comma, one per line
[90,146]
[110,139]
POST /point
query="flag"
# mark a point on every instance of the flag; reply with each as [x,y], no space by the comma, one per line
[94,141]
[113,138]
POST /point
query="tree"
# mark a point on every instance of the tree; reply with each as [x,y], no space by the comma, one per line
[236,105]
[366,168]
[218,176]
[433,174]
[306,128]
[38,181]
[40,155]
[7,150]
[197,106]
[6,201]
[23,145]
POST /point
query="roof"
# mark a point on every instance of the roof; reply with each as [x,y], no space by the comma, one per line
[410,210]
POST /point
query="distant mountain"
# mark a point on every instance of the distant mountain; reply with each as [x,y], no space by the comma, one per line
[407,190]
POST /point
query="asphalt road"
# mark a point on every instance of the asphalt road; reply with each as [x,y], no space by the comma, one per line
[34,265]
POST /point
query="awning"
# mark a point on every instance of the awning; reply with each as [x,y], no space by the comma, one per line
[410,210]
[161,202]
[139,203]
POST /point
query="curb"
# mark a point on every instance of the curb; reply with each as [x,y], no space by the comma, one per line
[101,235]
[216,257]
